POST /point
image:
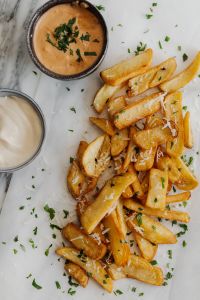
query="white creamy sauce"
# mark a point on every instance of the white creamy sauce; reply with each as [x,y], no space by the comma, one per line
[20,131]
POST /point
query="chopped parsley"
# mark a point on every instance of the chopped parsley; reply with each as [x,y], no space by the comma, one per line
[184,107]
[168,276]
[139,219]
[66,213]
[85,37]
[57,285]
[154,4]
[163,182]
[179,48]
[50,211]
[78,52]
[21,207]
[100,7]
[118,292]
[82,256]
[54,226]
[47,250]
[185,57]
[71,130]
[184,227]
[154,262]
[16,239]
[90,53]
[54,236]
[34,72]
[27,277]
[32,243]
[140,48]
[71,291]
[167,38]
[169,252]
[148,16]
[71,159]
[73,109]
[22,247]
[72,283]
[184,244]
[160,45]
[141,294]
[35,285]
[15,251]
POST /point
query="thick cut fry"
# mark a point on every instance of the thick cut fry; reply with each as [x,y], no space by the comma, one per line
[118,245]
[126,69]
[173,112]
[145,159]
[145,183]
[181,79]
[167,164]
[151,230]
[116,272]
[128,193]
[152,77]
[75,180]
[165,214]
[119,141]
[92,248]
[178,197]
[105,93]
[104,125]
[140,269]
[158,183]
[188,138]
[121,217]
[147,249]
[154,120]
[138,192]
[81,149]
[187,180]
[77,273]
[105,201]
[138,110]
[116,104]
[91,266]
[150,138]
[91,183]
[96,157]
[131,150]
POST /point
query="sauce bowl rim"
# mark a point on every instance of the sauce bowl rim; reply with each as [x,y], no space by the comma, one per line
[12,92]
[30,32]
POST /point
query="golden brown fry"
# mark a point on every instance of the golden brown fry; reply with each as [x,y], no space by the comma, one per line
[91,247]
[181,79]
[145,183]
[103,124]
[166,214]
[140,269]
[75,180]
[121,217]
[167,164]
[91,266]
[152,77]
[173,112]
[116,104]
[119,141]
[128,193]
[136,183]
[151,230]
[147,249]
[154,120]
[126,69]
[96,157]
[77,273]
[131,150]
[150,138]
[158,183]
[118,245]
[145,159]
[105,201]
[187,180]
[188,138]
[138,110]
[81,149]
[105,93]
[178,197]
[116,272]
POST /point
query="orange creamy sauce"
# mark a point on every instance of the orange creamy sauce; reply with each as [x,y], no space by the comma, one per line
[66,63]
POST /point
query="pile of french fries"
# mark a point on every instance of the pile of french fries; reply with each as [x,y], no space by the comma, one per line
[142,143]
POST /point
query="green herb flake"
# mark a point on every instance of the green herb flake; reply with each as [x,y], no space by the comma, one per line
[78,52]
[34,72]
[50,211]
[129,50]
[96,41]
[54,226]
[27,277]
[71,291]
[118,292]
[184,107]
[154,4]
[174,222]
[160,45]
[28,198]
[35,285]
[190,161]
[47,250]
[31,241]
[163,182]
[71,159]
[168,276]
[185,57]
[141,294]
[148,16]
[16,239]
[169,252]
[66,213]
[184,244]
[21,207]
[167,38]
[15,251]
[154,262]
[22,247]
[73,109]
[133,289]
[85,37]
[179,48]
[71,130]
[58,285]
[139,219]
[71,282]
[54,236]
[100,7]
[90,53]
[140,48]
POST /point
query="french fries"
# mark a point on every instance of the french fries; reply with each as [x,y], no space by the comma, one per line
[105,201]
[105,93]
[151,230]
[158,182]
[138,110]
[150,138]
[165,214]
[147,249]
[141,152]
[91,266]
[119,141]
[181,79]
[92,248]
[118,245]
[152,77]
[96,157]
[140,269]
[75,180]
[188,138]
[77,273]
[126,69]
[103,124]
[173,112]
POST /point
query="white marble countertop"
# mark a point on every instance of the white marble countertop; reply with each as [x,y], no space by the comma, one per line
[44,180]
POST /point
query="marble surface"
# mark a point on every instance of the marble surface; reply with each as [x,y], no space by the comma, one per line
[44,180]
